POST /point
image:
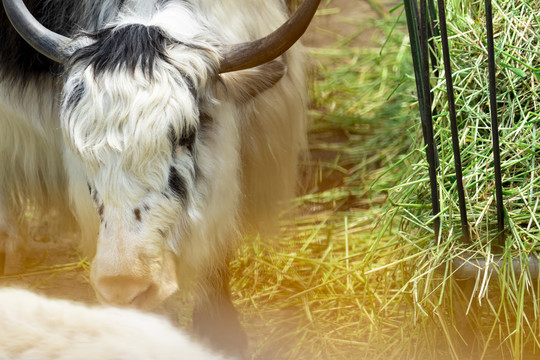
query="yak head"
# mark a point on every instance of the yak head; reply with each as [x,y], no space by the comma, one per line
[148,109]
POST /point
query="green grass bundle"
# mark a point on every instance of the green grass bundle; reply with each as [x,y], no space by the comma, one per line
[517,54]
[505,301]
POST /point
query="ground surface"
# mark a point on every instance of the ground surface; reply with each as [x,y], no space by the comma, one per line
[54,267]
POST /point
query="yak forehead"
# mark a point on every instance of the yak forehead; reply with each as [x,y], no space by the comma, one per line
[127,90]
[121,117]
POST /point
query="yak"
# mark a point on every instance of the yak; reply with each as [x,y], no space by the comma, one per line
[37,327]
[163,129]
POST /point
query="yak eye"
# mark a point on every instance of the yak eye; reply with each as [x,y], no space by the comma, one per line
[186,139]
[177,184]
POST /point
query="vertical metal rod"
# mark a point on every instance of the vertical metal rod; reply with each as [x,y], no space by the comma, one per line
[417,36]
[428,125]
[433,32]
[494,124]
[453,122]
[411,13]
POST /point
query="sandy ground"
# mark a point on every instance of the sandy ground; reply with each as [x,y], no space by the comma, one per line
[338,20]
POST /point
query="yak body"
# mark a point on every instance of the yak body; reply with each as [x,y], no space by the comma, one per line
[38,328]
[159,161]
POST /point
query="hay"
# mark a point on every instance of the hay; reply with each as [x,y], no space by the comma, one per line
[517,55]
[502,307]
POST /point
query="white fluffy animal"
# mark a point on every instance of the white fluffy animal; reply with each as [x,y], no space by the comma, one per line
[164,128]
[38,328]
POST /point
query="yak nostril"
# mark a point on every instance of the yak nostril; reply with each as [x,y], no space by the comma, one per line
[123,290]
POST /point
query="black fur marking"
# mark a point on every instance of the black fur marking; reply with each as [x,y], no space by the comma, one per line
[93,194]
[190,85]
[137,213]
[173,138]
[130,46]
[177,184]
[187,138]
[101,208]
[146,207]
[75,96]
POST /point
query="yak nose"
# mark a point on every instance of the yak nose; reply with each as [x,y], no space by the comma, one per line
[124,290]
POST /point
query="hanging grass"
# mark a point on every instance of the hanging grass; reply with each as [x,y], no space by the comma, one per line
[517,56]
[501,302]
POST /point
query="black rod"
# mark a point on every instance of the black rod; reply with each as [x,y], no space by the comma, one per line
[428,124]
[417,36]
[433,33]
[494,124]
[453,122]
[411,12]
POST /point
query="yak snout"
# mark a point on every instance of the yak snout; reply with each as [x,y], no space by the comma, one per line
[125,290]
[132,277]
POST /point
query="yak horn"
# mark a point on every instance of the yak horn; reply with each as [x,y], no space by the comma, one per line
[254,53]
[49,43]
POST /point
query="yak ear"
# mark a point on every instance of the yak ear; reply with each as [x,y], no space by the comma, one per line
[242,86]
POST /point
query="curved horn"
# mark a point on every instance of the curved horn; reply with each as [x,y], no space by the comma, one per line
[49,43]
[250,54]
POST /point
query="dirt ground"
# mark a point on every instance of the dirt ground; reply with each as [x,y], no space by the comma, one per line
[54,266]
[345,19]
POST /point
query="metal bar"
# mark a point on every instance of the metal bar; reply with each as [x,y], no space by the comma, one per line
[411,13]
[453,122]
[494,124]
[433,32]
[417,36]
[428,123]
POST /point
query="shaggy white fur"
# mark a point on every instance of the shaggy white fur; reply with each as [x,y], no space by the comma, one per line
[38,328]
[171,214]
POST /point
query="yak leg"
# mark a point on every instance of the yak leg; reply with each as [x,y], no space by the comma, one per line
[216,320]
